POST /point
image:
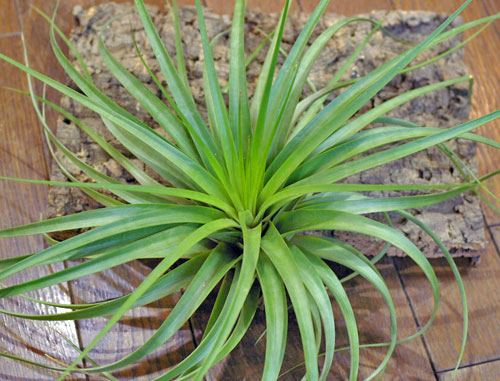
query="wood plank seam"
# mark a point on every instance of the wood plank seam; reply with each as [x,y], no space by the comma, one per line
[492,225]
[77,322]
[412,308]
[488,10]
[17,8]
[471,365]
[191,324]
[494,240]
[193,336]
[12,34]
[45,148]
[415,318]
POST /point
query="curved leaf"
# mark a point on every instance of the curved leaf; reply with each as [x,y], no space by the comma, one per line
[279,253]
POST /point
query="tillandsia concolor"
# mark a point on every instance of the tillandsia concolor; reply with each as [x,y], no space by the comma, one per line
[243,184]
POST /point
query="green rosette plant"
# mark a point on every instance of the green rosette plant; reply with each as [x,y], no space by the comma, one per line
[243,184]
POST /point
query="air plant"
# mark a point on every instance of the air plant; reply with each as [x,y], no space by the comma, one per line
[243,184]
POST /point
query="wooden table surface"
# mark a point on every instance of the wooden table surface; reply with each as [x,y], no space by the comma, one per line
[23,154]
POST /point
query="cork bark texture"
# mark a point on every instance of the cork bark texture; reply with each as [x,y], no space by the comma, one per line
[458,222]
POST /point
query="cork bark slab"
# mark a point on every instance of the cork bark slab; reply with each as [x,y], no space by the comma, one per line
[458,222]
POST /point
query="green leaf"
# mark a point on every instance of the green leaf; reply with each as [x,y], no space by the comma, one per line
[316,288]
[302,220]
[251,249]
[305,66]
[159,216]
[367,140]
[190,363]
[168,284]
[103,101]
[339,252]
[220,301]
[152,189]
[337,290]
[279,253]
[201,233]
[218,112]
[80,220]
[260,142]
[338,111]
[179,51]
[239,109]
[276,310]
[141,177]
[189,113]
[317,99]
[363,205]
[290,80]
[391,154]
[296,191]
[94,248]
[247,313]
[157,109]
[161,147]
[158,245]
[368,117]
[214,268]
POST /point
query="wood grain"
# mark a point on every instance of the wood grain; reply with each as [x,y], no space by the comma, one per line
[140,323]
[443,339]
[264,5]
[409,361]
[21,155]
[483,58]
[135,328]
[480,372]
[495,234]
[348,8]
[22,203]
[8,19]
[444,336]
